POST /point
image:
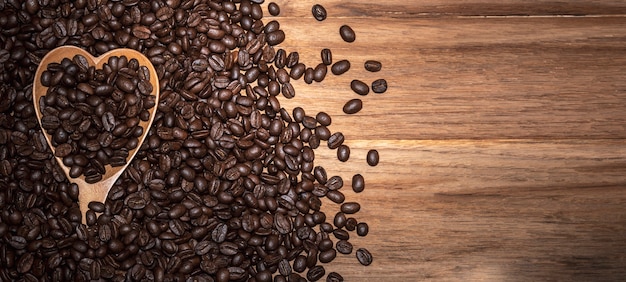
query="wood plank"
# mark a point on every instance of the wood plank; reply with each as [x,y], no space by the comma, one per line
[442,8]
[509,210]
[450,79]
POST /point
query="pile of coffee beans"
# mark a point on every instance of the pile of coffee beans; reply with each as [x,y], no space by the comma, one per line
[224,188]
[92,115]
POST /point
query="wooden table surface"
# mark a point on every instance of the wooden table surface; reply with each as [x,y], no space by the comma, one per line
[502,135]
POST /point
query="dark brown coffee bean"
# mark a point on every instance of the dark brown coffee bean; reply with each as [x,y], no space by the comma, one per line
[343,153]
[288,90]
[319,12]
[297,71]
[63,150]
[319,72]
[315,273]
[96,206]
[358,183]
[335,196]
[340,67]
[344,247]
[335,140]
[353,106]
[275,37]
[293,59]
[334,183]
[372,157]
[350,207]
[308,75]
[373,66]
[359,87]
[364,256]
[341,234]
[323,118]
[273,9]
[284,268]
[327,56]
[379,86]
[347,34]
[362,229]
[340,220]
[334,277]
[351,223]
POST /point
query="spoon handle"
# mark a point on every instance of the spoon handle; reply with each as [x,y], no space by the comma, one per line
[93,192]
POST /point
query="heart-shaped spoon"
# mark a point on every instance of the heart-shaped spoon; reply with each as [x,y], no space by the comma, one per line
[97,191]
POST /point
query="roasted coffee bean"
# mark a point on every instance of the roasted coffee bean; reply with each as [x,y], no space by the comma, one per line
[379,86]
[362,229]
[373,66]
[297,71]
[335,140]
[340,220]
[343,153]
[327,56]
[335,196]
[344,247]
[319,72]
[273,9]
[275,37]
[288,90]
[335,183]
[347,34]
[292,59]
[372,157]
[323,118]
[340,67]
[96,206]
[350,207]
[359,87]
[353,106]
[334,277]
[364,256]
[351,223]
[315,273]
[358,183]
[319,12]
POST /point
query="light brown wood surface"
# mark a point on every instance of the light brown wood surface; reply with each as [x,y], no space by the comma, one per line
[502,135]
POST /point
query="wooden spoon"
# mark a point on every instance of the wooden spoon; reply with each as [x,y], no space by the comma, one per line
[97,191]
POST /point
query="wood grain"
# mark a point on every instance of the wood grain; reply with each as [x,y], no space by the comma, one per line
[502,138]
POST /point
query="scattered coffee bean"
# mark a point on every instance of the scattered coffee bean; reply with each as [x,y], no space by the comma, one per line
[344,247]
[372,157]
[347,34]
[319,12]
[343,153]
[350,207]
[362,229]
[353,106]
[359,87]
[315,273]
[379,86]
[358,183]
[340,67]
[327,56]
[364,256]
[335,140]
[273,9]
[373,66]
[334,277]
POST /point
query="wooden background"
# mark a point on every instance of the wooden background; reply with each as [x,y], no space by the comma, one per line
[502,135]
